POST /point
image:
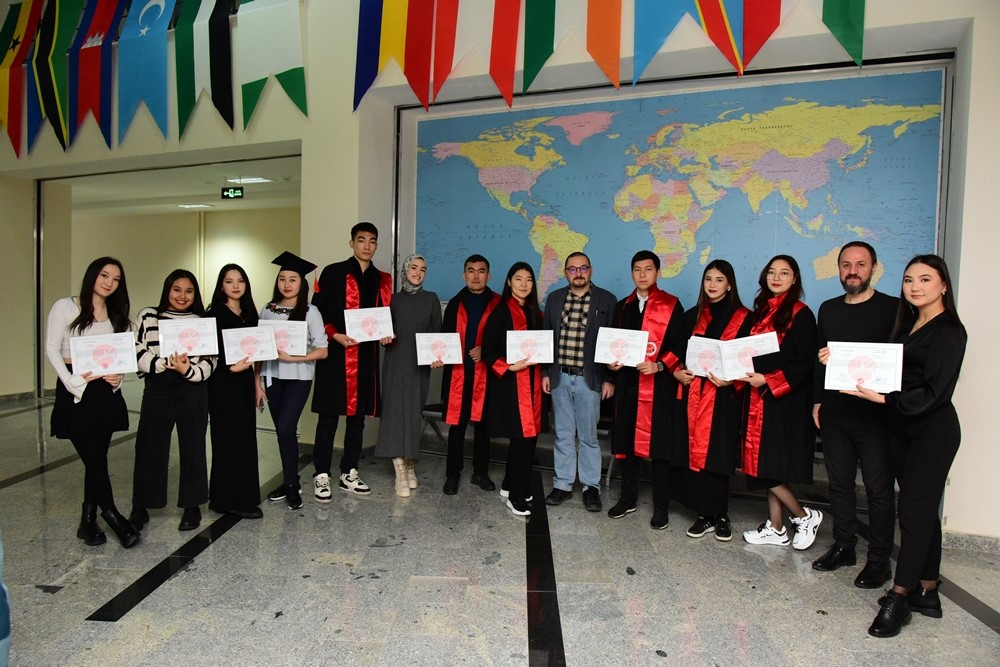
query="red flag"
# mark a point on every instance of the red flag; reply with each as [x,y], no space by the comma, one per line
[719,29]
[93,80]
[760,19]
[604,35]
[417,58]
[13,71]
[503,53]
[445,25]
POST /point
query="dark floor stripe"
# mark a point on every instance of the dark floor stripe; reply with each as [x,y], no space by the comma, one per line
[143,587]
[545,639]
[52,465]
[23,410]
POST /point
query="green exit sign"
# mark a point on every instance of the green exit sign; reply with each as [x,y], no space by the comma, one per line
[232,193]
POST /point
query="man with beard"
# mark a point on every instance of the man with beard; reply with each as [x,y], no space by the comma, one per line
[856,431]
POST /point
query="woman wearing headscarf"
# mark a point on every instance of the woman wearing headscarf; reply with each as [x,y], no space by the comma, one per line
[404,383]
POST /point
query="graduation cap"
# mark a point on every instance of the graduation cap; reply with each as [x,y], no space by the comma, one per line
[291,262]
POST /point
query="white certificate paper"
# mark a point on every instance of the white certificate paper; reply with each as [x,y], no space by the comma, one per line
[738,354]
[877,366]
[107,354]
[443,347]
[253,343]
[192,336]
[535,346]
[624,346]
[704,356]
[365,324]
[290,337]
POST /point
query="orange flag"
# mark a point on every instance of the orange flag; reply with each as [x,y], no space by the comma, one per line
[604,33]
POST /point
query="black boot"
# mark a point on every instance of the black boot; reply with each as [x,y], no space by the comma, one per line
[88,530]
[126,532]
[894,614]
[925,601]
[138,517]
[191,518]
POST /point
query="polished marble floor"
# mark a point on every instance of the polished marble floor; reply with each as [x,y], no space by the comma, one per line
[434,580]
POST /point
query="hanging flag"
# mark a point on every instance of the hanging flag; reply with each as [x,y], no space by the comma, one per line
[722,21]
[7,30]
[366,66]
[203,47]
[90,66]
[604,34]
[419,38]
[760,19]
[142,63]
[393,38]
[270,34]
[11,70]
[445,25]
[655,20]
[49,76]
[539,37]
[846,20]
[503,49]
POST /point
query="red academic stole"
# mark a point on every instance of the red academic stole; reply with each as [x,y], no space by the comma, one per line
[352,301]
[529,409]
[701,399]
[755,416]
[457,385]
[655,318]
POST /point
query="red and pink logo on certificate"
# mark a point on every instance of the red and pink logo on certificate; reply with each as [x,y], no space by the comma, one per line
[104,356]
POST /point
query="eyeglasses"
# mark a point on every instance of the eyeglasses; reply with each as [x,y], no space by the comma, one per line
[573,270]
[779,275]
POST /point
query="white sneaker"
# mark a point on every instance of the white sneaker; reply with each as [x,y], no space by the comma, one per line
[351,482]
[321,484]
[806,529]
[766,534]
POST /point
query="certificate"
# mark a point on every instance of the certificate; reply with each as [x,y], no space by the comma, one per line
[106,354]
[253,343]
[738,354]
[624,346]
[704,356]
[365,324]
[191,335]
[535,346]
[290,336]
[443,347]
[877,366]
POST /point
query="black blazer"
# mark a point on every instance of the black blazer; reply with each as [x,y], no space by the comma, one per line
[601,314]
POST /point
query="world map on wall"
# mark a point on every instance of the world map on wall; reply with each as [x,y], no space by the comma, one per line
[739,174]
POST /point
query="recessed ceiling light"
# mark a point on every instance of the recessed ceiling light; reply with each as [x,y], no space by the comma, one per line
[247,180]
[196,205]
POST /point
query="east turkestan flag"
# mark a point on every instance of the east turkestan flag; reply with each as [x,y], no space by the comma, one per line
[270,42]
[49,75]
[90,80]
[11,67]
[142,63]
[203,45]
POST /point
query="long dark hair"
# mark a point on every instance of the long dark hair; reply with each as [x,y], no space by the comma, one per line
[197,307]
[531,301]
[117,303]
[783,317]
[248,311]
[906,314]
[302,299]
[726,269]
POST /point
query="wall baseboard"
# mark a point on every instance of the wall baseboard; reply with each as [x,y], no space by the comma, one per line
[969,542]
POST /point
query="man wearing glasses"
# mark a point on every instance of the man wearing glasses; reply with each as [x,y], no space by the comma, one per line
[577,384]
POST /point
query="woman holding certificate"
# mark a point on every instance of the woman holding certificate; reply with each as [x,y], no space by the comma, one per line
[404,383]
[708,452]
[514,387]
[778,435]
[924,435]
[175,392]
[89,407]
[287,379]
[233,393]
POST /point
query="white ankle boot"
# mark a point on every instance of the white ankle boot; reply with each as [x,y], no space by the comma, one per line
[411,472]
[402,485]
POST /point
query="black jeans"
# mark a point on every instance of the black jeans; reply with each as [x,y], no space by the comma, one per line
[285,401]
[326,430]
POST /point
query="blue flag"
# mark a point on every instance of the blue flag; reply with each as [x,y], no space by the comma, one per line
[142,63]
[654,21]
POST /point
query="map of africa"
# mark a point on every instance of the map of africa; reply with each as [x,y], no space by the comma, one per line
[739,174]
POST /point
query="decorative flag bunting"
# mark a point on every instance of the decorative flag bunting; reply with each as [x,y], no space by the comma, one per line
[846,20]
[604,33]
[539,37]
[760,19]
[366,66]
[90,66]
[654,21]
[419,39]
[722,21]
[49,76]
[270,34]
[445,25]
[503,51]
[393,38]
[11,70]
[204,58]
[7,30]
[142,63]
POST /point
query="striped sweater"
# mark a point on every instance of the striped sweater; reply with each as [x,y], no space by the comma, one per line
[147,347]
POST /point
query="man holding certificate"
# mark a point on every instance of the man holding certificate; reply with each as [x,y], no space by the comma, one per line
[576,382]
[855,431]
[645,395]
[347,381]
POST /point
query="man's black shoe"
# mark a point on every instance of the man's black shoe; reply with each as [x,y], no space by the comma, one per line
[873,574]
[557,497]
[484,482]
[592,499]
[451,485]
[835,558]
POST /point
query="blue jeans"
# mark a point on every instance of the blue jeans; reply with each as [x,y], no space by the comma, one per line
[576,408]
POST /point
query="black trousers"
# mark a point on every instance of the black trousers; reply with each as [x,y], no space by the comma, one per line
[630,480]
[921,450]
[846,444]
[93,451]
[326,430]
[285,401]
[710,493]
[520,458]
[456,447]
[168,400]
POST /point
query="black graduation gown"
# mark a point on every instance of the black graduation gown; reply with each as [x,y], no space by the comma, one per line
[465,394]
[513,399]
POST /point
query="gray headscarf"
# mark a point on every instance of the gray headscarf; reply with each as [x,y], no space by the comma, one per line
[404,282]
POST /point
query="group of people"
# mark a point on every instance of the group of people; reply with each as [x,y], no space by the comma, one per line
[695,430]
